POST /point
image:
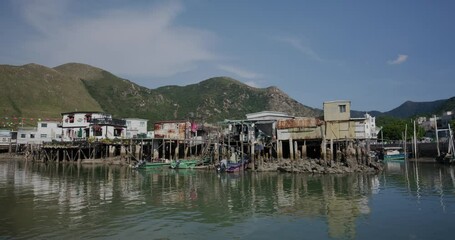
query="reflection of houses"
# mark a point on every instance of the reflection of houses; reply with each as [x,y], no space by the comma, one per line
[82,125]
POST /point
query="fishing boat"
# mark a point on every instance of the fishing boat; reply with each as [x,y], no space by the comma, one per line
[184,164]
[226,166]
[142,164]
[393,154]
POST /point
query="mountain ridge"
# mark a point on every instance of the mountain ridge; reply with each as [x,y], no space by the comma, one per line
[212,100]
[36,90]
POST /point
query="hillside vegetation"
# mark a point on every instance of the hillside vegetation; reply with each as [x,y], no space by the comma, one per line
[37,91]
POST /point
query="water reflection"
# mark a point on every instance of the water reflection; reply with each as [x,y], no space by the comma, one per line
[100,201]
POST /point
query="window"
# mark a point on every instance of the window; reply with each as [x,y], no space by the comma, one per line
[342,108]
[142,124]
[88,117]
[43,136]
[118,132]
[32,135]
[23,135]
[71,118]
[44,125]
[97,131]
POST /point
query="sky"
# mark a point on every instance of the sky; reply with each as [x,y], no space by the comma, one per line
[377,54]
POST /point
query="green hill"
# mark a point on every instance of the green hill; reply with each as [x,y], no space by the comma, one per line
[33,91]
[37,91]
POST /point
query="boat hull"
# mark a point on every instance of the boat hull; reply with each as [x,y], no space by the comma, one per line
[395,157]
[184,164]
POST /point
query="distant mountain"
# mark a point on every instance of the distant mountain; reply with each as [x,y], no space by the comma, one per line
[412,109]
[37,91]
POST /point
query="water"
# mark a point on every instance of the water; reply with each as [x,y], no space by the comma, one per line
[39,201]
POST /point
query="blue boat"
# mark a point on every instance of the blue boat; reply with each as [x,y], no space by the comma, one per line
[393,154]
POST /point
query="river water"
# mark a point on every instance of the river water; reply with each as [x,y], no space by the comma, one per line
[405,201]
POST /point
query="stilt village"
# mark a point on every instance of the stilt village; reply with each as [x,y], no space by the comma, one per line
[268,140]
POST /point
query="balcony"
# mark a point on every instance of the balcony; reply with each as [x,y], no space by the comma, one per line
[108,121]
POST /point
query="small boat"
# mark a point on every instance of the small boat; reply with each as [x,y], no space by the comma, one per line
[142,164]
[226,166]
[184,164]
[393,154]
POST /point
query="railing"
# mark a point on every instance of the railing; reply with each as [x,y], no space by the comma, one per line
[109,121]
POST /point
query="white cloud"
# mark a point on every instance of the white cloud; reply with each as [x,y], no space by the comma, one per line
[239,72]
[252,84]
[399,60]
[301,47]
[134,42]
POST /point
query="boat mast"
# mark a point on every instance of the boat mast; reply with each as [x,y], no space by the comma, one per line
[415,141]
[405,141]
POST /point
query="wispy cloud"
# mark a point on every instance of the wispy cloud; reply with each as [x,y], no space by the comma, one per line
[239,72]
[399,60]
[300,46]
[135,42]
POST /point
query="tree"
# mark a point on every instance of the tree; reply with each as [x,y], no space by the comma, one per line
[394,128]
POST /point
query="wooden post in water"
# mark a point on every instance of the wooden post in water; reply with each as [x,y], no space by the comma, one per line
[279,149]
[9,145]
[437,137]
[323,149]
[252,155]
[291,149]
[296,150]
[137,151]
[405,141]
[304,150]
[163,151]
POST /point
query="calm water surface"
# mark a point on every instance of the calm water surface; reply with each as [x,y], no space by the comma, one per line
[406,201]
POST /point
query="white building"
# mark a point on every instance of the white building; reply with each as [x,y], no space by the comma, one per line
[83,125]
[365,128]
[47,131]
[5,137]
[136,127]
[27,135]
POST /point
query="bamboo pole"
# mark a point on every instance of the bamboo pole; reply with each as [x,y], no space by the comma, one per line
[437,137]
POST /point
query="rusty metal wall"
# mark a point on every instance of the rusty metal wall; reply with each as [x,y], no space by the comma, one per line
[299,123]
[172,130]
[300,133]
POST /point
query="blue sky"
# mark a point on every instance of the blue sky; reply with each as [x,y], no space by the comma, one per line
[378,54]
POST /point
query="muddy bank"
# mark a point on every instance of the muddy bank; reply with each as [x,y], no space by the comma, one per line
[320,166]
[315,166]
[110,161]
